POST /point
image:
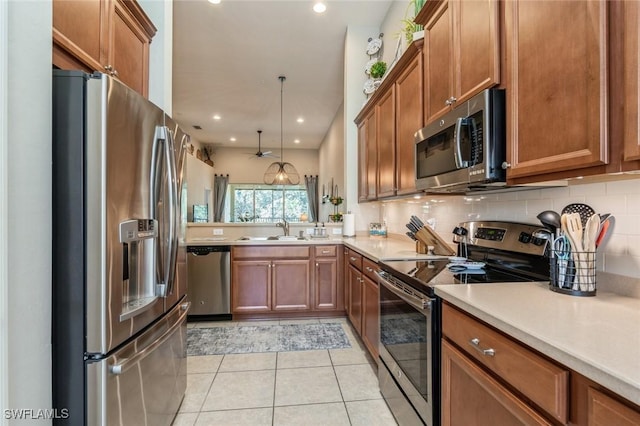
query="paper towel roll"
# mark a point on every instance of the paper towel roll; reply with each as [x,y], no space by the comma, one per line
[348,225]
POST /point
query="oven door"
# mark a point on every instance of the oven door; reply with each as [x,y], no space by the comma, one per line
[406,345]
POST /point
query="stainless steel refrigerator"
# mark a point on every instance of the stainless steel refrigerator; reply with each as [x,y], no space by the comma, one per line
[119,258]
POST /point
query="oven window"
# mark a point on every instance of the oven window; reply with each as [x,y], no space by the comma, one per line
[403,333]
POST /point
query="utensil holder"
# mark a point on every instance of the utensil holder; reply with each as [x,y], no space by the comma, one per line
[421,247]
[573,274]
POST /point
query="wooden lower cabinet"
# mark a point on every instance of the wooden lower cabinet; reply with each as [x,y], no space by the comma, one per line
[251,286]
[603,410]
[354,286]
[290,285]
[471,396]
[282,280]
[370,315]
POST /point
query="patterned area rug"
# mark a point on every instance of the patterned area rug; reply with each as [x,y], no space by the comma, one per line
[265,338]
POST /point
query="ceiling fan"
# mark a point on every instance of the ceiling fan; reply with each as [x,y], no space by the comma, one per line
[261,154]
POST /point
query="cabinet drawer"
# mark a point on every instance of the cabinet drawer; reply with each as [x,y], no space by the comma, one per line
[326,251]
[543,382]
[369,268]
[355,259]
[269,252]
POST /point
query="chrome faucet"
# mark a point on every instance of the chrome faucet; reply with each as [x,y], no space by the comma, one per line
[285,227]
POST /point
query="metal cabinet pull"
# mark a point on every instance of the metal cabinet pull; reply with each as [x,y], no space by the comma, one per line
[368,269]
[325,251]
[475,342]
[353,259]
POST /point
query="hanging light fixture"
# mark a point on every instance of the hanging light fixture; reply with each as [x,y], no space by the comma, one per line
[280,172]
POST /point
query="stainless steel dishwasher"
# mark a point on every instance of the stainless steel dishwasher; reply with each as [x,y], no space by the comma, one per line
[209,282]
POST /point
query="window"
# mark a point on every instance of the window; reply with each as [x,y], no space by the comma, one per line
[265,203]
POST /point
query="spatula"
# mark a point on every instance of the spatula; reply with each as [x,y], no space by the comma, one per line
[574,231]
[590,236]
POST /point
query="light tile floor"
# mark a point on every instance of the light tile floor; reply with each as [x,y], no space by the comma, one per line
[320,387]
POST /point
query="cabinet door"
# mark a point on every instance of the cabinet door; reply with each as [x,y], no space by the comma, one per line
[631,80]
[355,298]
[438,74]
[372,156]
[370,315]
[605,411]
[291,285]
[471,396]
[386,138]
[409,115]
[362,161]
[557,102]
[477,47]
[129,52]
[251,286]
[79,34]
[326,284]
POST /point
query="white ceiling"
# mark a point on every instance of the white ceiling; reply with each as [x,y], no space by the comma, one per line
[227,59]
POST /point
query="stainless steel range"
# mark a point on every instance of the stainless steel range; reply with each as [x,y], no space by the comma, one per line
[410,318]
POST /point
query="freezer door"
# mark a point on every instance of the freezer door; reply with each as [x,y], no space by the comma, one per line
[177,288]
[144,382]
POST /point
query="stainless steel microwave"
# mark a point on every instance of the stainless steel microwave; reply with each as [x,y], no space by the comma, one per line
[464,150]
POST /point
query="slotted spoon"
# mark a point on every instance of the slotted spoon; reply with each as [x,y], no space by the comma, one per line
[585,211]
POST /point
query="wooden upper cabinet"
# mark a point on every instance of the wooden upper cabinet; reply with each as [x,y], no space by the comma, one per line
[131,36]
[438,69]
[558,87]
[372,156]
[631,43]
[362,161]
[409,116]
[461,52]
[386,140]
[80,31]
[110,36]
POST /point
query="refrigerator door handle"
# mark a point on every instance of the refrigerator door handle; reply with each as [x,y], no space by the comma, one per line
[172,249]
[127,363]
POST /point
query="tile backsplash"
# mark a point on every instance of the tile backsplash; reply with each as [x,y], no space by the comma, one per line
[618,254]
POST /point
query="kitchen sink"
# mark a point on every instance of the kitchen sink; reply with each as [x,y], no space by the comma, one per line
[273,238]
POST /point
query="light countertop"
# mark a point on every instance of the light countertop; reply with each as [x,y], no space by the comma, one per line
[374,248]
[599,337]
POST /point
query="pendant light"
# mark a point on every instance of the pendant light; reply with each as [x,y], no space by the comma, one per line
[281,172]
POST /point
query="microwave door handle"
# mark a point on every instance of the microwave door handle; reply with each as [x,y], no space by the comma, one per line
[473,135]
[457,152]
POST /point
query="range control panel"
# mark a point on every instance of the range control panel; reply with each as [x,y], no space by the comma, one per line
[510,236]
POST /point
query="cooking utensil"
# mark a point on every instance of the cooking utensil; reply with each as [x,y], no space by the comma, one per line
[418,222]
[411,227]
[604,228]
[550,219]
[562,250]
[572,226]
[583,210]
[411,235]
[589,243]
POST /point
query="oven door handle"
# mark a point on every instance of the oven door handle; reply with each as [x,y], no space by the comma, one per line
[416,302]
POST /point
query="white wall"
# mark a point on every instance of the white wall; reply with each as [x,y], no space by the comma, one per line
[4,212]
[331,164]
[160,53]
[392,28]
[619,253]
[28,208]
[242,167]
[355,59]
[199,179]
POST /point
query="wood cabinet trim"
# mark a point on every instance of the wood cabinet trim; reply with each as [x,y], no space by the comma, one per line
[513,362]
[602,410]
[451,358]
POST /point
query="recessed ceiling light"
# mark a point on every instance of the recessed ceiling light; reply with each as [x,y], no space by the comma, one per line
[300,120]
[319,7]
[214,1]
[296,141]
[232,139]
[216,117]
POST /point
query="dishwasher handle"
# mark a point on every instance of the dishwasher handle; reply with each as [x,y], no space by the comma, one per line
[205,250]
